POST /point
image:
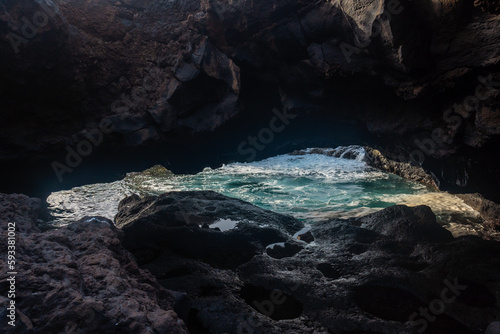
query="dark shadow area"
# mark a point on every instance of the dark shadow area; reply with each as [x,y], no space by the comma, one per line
[272,303]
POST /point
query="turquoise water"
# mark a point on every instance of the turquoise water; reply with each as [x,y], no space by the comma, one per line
[310,187]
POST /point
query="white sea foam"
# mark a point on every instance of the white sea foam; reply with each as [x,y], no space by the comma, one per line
[312,185]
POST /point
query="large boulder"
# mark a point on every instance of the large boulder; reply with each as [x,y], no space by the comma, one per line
[222,231]
[400,222]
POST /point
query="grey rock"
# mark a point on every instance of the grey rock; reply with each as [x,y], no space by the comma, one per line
[366,275]
[152,224]
[403,223]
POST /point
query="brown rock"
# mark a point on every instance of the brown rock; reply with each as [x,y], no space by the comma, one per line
[489,210]
[406,170]
[79,278]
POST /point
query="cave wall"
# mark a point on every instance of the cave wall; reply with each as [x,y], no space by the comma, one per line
[422,78]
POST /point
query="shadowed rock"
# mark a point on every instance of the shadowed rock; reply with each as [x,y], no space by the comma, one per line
[403,223]
[174,221]
[349,280]
[366,275]
[282,250]
[406,170]
[78,278]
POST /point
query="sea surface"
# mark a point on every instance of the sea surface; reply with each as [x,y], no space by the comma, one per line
[311,187]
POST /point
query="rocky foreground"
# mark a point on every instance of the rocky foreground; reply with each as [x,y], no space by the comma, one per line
[422,77]
[78,279]
[200,262]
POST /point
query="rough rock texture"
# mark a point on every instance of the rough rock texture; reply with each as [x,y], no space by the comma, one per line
[140,65]
[376,159]
[490,211]
[404,169]
[368,275]
[421,76]
[351,152]
[78,279]
[20,209]
[414,224]
[170,219]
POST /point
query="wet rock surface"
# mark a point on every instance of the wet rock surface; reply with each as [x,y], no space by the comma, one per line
[171,219]
[374,274]
[351,152]
[416,173]
[78,279]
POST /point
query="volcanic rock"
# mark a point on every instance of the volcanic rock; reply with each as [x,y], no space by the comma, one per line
[78,278]
[365,275]
[174,221]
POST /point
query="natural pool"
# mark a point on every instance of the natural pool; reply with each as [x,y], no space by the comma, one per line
[310,187]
